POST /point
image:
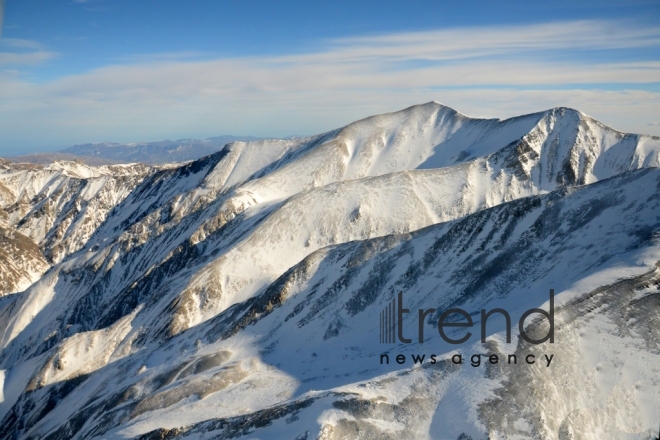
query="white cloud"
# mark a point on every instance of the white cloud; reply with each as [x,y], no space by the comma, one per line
[23,52]
[493,71]
[20,43]
[25,58]
[502,41]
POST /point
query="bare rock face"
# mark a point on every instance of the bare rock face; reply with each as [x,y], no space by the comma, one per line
[239,295]
[21,261]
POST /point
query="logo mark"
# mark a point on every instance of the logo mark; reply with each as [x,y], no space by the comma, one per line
[391,323]
[388,323]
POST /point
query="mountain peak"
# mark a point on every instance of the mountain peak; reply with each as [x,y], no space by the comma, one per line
[249,292]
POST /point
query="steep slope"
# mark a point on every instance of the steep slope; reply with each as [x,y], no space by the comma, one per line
[150,326]
[170,236]
[316,328]
[541,161]
[59,206]
[21,262]
[319,324]
[49,212]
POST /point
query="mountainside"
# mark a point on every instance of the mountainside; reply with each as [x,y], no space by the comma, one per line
[239,295]
[21,262]
[54,210]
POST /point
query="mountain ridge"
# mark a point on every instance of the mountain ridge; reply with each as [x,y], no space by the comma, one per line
[213,259]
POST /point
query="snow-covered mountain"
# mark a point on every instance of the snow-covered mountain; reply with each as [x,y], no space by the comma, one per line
[239,295]
[53,210]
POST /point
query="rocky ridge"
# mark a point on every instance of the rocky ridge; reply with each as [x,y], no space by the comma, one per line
[239,294]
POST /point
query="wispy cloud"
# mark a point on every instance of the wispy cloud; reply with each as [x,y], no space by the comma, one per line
[18,52]
[25,59]
[163,57]
[469,42]
[20,43]
[488,71]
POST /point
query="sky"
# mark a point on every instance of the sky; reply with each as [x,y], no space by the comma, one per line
[78,71]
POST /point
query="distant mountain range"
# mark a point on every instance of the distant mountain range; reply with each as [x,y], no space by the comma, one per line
[245,294]
[108,153]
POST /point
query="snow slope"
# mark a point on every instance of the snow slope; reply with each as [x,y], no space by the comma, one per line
[239,294]
[54,210]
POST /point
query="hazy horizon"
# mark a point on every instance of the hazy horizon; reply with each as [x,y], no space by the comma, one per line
[98,70]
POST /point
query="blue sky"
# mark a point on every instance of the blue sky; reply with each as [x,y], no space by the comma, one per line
[75,71]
